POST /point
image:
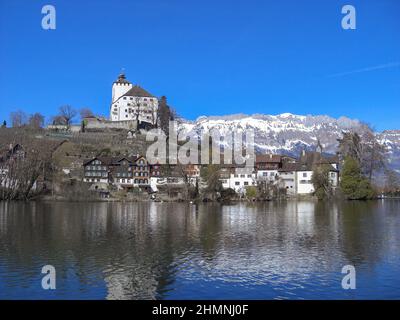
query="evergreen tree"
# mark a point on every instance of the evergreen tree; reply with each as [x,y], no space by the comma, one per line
[353,185]
[164,115]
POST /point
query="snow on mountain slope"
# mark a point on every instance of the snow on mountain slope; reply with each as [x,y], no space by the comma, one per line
[285,133]
[391,140]
[289,134]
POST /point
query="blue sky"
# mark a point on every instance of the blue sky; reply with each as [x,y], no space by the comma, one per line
[207,57]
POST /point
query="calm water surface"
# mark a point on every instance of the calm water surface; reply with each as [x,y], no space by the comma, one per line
[288,250]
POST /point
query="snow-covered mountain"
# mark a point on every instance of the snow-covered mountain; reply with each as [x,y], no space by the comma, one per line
[391,140]
[289,134]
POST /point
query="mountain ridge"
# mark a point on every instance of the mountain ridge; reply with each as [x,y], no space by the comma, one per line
[289,133]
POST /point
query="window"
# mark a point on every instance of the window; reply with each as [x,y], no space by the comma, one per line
[265,174]
[246,183]
[249,176]
[243,176]
[305,174]
[124,98]
[237,183]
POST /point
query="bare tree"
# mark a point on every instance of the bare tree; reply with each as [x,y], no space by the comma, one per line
[373,153]
[68,113]
[58,120]
[86,113]
[18,118]
[350,146]
[392,181]
[365,149]
[36,121]
[20,171]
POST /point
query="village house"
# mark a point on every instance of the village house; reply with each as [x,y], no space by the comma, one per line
[192,172]
[281,171]
[123,172]
[305,167]
[237,180]
[268,165]
[97,170]
[287,177]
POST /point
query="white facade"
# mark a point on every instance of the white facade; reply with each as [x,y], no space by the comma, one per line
[304,184]
[131,102]
[239,182]
[269,175]
[288,181]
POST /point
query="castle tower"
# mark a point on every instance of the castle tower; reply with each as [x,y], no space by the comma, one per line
[120,87]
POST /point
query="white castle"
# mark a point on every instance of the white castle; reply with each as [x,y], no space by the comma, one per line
[131,102]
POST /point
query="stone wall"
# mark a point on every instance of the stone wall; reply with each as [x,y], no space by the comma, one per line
[100,124]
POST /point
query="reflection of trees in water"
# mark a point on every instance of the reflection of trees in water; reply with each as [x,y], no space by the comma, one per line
[138,249]
[364,230]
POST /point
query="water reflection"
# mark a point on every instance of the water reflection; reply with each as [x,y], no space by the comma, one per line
[160,251]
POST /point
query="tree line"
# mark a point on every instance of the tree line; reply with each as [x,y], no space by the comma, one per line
[65,116]
[362,156]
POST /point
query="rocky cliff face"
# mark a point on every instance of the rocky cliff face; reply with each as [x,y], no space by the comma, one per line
[289,134]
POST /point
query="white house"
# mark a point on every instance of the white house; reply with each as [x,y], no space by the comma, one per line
[287,177]
[237,181]
[304,171]
[131,102]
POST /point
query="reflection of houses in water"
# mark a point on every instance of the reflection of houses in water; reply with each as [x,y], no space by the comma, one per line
[138,250]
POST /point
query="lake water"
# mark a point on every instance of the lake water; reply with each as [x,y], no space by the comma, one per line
[273,250]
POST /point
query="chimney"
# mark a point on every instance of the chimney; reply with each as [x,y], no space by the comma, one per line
[303,153]
[10,147]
